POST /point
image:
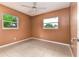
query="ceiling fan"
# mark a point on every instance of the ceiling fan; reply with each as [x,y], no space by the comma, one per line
[33,8]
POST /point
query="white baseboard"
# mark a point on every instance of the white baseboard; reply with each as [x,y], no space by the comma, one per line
[40,40]
[36,39]
[50,41]
[14,43]
[68,45]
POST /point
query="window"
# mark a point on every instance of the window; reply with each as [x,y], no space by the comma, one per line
[9,21]
[50,23]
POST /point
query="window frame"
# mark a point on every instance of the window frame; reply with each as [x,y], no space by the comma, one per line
[10,28]
[53,22]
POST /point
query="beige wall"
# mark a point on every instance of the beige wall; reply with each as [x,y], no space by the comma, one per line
[24,31]
[58,35]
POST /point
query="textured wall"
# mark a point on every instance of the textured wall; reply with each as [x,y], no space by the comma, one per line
[58,35]
[24,31]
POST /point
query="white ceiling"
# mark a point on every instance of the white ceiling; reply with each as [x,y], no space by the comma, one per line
[47,6]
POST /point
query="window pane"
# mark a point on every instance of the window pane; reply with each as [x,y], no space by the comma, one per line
[51,23]
[10,21]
